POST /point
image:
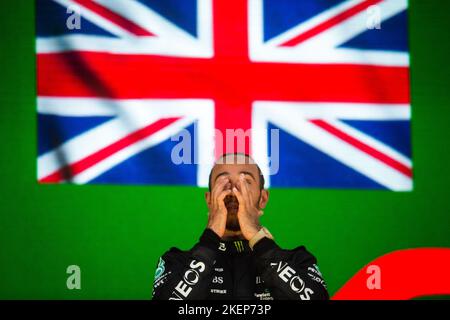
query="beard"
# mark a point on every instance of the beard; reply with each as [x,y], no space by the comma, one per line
[232,205]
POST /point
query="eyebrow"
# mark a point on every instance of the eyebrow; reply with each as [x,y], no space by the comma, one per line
[227,173]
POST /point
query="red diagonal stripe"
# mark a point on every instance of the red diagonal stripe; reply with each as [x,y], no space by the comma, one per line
[114,18]
[364,147]
[69,171]
[329,23]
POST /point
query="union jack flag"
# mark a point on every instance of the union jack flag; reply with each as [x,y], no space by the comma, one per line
[116,88]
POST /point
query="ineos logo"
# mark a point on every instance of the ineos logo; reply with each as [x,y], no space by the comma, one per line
[289,275]
[191,277]
[297,284]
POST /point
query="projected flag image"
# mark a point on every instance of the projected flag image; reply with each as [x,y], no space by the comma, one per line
[118,81]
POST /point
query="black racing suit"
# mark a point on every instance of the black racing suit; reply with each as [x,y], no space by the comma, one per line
[213,269]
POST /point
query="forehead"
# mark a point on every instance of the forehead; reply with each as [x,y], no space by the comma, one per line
[235,164]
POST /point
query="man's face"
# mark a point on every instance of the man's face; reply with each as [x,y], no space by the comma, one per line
[232,168]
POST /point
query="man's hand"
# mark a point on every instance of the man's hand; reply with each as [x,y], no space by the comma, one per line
[217,218]
[248,213]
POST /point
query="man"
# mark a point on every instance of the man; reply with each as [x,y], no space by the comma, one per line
[237,258]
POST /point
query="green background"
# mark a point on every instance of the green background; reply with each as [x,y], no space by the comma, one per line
[116,233]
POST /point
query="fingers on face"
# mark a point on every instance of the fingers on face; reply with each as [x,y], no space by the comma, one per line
[220,185]
[238,195]
[220,191]
[222,196]
[244,188]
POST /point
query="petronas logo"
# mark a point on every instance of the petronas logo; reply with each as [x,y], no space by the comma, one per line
[160,269]
[239,246]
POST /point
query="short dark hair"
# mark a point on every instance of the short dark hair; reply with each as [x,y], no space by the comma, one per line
[261,176]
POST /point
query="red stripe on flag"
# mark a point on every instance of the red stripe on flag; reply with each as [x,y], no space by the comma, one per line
[88,74]
[67,172]
[232,99]
[364,147]
[329,23]
[114,18]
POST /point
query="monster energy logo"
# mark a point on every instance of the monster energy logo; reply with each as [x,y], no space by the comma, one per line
[239,246]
